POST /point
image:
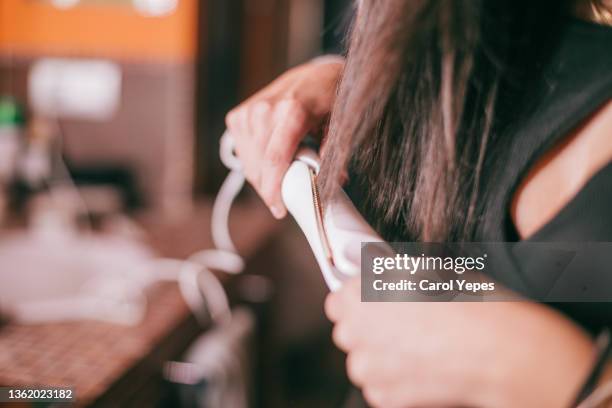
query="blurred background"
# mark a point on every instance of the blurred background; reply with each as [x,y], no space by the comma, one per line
[110,117]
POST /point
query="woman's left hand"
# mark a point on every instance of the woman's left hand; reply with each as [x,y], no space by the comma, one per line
[496,354]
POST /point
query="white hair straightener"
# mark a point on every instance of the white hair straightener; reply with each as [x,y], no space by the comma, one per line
[335,233]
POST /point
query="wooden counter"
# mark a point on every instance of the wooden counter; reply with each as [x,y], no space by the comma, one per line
[109,363]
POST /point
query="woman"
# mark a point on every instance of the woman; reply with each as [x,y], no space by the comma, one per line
[485,120]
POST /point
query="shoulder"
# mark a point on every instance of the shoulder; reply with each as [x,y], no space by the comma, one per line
[561,173]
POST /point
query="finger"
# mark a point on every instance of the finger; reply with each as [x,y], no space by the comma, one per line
[291,128]
[380,366]
[248,159]
[333,307]
[237,123]
[260,124]
[376,397]
[259,130]
[232,119]
[357,367]
[352,288]
[342,336]
[348,298]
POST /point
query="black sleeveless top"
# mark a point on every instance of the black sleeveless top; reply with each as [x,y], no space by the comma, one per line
[575,81]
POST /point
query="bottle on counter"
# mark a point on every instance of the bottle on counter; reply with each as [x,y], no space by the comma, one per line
[11,139]
[35,166]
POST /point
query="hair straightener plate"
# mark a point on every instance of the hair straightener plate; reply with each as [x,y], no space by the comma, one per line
[335,233]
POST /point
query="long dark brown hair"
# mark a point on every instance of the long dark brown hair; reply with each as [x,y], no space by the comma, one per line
[416,108]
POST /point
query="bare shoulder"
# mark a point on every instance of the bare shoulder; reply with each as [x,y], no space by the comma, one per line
[562,172]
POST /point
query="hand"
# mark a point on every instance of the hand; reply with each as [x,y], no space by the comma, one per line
[268,127]
[499,354]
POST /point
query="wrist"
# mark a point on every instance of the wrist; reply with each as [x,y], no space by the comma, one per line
[544,366]
[554,370]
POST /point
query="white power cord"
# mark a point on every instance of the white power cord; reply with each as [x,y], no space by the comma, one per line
[200,288]
[222,363]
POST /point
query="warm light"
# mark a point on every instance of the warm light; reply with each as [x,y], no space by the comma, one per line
[64,4]
[155,7]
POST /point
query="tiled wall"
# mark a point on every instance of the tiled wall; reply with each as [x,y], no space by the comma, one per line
[152,131]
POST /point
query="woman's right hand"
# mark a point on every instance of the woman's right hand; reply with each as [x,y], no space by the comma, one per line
[268,127]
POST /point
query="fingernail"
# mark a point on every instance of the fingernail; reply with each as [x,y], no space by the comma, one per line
[277,212]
